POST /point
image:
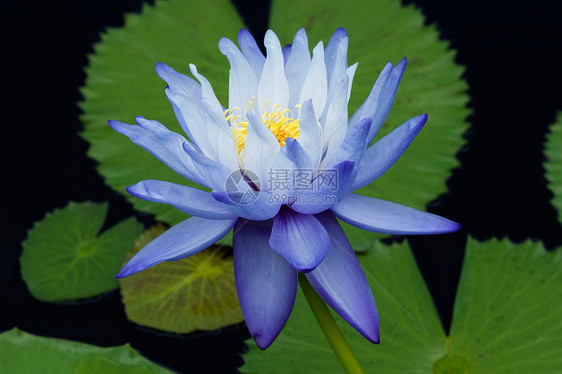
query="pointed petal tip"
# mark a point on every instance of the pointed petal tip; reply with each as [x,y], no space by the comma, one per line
[160,66]
[364,125]
[453,227]
[418,122]
[342,31]
[369,330]
[263,342]
[126,271]
[136,190]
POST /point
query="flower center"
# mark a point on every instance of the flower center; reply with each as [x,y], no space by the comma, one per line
[279,121]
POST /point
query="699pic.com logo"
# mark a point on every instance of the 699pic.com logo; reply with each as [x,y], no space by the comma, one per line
[242,187]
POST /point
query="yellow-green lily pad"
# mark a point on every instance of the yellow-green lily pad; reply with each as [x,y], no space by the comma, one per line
[195,293]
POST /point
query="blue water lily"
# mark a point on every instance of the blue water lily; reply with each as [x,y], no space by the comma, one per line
[281,163]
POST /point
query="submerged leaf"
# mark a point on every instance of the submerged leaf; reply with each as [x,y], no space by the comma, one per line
[65,257]
[196,293]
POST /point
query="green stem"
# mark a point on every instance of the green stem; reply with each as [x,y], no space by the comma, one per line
[332,332]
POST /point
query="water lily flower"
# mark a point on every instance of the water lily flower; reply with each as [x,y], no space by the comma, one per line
[281,163]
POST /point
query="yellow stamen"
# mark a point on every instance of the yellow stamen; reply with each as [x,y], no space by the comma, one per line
[279,121]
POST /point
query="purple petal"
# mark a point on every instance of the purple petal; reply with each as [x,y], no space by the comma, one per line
[382,155]
[265,282]
[188,200]
[182,240]
[327,189]
[385,217]
[251,51]
[299,238]
[342,284]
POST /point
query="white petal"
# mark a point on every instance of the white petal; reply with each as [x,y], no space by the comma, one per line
[315,86]
[243,82]
[273,85]
[221,137]
[251,51]
[261,148]
[335,125]
[350,73]
[338,66]
[297,66]
[311,134]
[193,118]
[206,88]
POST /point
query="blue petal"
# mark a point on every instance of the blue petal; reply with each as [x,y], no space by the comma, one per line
[182,240]
[382,155]
[188,200]
[286,52]
[354,145]
[213,172]
[299,238]
[296,153]
[378,103]
[249,204]
[327,189]
[311,133]
[265,282]
[387,98]
[341,282]
[331,55]
[385,217]
[178,82]
[165,145]
[251,51]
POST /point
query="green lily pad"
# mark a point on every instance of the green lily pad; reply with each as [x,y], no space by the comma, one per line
[553,165]
[65,257]
[506,318]
[21,352]
[121,84]
[196,293]
[379,32]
